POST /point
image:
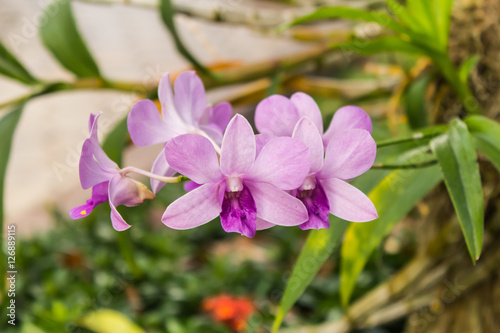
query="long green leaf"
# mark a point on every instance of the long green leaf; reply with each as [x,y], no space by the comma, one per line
[11,67]
[402,13]
[8,125]
[422,12]
[60,35]
[394,197]
[167,14]
[351,14]
[466,68]
[319,246]
[457,157]
[378,45]
[486,133]
[442,12]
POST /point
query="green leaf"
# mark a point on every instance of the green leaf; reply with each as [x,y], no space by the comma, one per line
[109,321]
[466,68]
[442,14]
[167,14]
[458,160]
[8,124]
[115,141]
[60,35]
[402,13]
[378,45]
[11,67]
[394,197]
[348,13]
[319,246]
[422,12]
[415,102]
[486,133]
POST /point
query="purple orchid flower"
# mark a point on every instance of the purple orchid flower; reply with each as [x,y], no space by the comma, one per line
[108,182]
[182,113]
[349,154]
[243,189]
[277,116]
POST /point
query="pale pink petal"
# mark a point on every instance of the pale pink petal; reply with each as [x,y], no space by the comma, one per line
[166,97]
[190,99]
[262,224]
[213,133]
[347,202]
[260,142]
[90,172]
[145,125]
[221,115]
[238,147]
[193,156]
[349,154]
[276,115]
[282,162]
[306,106]
[347,117]
[160,167]
[100,156]
[276,206]
[114,200]
[307,133]
[194,208]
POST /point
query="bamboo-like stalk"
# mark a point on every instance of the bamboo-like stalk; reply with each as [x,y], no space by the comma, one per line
[260,15]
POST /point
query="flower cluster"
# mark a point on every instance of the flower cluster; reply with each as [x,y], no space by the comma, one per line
[291,174]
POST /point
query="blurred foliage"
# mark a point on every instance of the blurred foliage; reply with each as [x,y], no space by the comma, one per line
[76,269]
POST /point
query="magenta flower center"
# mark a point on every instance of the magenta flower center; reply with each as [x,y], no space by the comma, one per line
[239,213]
[313,196]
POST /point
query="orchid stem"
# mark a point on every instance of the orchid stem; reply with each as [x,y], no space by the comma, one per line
[414,137]
[404,166]
[170,180]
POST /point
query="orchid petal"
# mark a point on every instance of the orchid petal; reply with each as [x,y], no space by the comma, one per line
[160,167]
[282,162]
[90,172]
[306,132]
[349,154]
[99,195]
[238,147]
[260,142]
[306,106]
[145,125]
[190,185]
[263,224]
[117,220]
[276,115]
[194,208]
[194,157]
[347,117]
[221,115]
[100,156]
[213,132]
[347,202]
[276,206]
[190,99]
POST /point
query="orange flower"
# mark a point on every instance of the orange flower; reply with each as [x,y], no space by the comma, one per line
[232,311]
